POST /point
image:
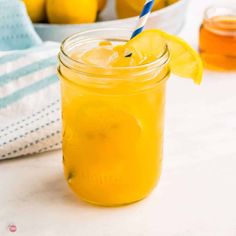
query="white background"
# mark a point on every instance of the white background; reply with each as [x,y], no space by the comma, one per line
[197,192]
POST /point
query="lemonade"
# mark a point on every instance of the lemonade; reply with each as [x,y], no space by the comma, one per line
[113,98]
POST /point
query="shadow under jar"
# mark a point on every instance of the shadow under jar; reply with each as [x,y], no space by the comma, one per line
[113,121]
[217,40]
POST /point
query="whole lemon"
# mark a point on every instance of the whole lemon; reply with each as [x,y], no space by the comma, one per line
[101,4]
[36,9]
[71,11]
[129,8]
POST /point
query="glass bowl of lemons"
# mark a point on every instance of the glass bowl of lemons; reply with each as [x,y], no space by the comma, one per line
[55,20]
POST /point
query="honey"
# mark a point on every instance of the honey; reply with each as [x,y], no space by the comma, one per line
[217,40]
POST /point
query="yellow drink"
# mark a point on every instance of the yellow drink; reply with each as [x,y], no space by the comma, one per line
[112,119]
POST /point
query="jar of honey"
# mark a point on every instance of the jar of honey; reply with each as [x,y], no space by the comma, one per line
[217,40]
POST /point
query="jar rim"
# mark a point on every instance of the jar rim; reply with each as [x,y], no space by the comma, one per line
[217,18]
[64,56]
[231,10]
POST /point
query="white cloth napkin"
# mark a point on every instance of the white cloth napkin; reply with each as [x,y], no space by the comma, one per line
[29,87]
[29,101]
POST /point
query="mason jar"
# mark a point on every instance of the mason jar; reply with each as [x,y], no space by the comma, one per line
[113,122]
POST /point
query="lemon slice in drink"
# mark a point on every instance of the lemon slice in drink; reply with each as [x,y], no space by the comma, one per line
[184,60]
[103,124]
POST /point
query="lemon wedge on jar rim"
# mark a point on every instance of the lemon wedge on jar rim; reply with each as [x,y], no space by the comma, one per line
[184,60]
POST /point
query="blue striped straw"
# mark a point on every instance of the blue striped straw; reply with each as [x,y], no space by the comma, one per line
[143,17]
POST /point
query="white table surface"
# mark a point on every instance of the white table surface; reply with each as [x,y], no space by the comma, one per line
[197,192]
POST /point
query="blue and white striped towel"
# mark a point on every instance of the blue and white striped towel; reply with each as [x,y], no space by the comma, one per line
[29,89]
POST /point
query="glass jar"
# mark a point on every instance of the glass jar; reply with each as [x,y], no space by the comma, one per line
[112,122]
[217,40]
